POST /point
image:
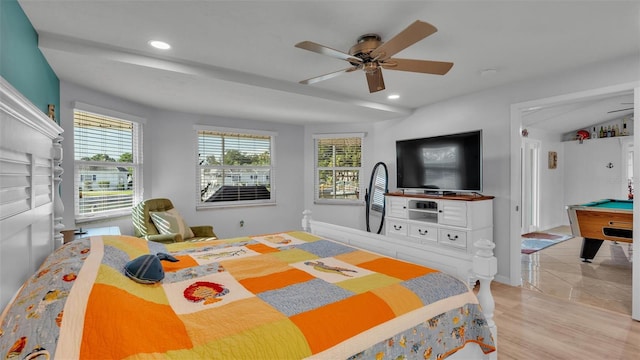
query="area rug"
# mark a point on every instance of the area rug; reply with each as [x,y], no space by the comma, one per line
[536,241]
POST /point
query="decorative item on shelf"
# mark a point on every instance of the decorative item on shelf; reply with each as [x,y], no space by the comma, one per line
[553,159]
[525,133]
[582,135]
[630,187]
[51,108]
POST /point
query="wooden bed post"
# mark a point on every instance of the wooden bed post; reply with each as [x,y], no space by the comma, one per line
[485,266]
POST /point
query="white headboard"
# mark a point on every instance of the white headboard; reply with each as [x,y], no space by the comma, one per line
[29,177]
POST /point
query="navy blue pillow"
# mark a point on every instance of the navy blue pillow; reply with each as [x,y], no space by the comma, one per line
[147,269]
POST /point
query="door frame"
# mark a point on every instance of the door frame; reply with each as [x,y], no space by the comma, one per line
[530,182]
[515,266]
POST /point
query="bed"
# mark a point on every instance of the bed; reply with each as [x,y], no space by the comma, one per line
[291,295]
[316,293]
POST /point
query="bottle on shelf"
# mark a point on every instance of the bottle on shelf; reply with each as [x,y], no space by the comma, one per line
[601,135]
[594,133]
[625,132]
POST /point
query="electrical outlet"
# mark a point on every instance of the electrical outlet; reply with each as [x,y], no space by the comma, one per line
[241,223]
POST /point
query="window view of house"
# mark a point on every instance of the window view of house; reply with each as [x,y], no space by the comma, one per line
[107,164]
[338,166]
[234,167]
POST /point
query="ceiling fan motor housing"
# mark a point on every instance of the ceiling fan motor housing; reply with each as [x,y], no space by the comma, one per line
[366,44]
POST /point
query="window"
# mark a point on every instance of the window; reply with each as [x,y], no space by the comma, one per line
[107,164]
[235,167]
[338,160]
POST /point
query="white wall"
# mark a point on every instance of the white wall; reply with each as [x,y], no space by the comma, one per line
[587,175]
[169,167]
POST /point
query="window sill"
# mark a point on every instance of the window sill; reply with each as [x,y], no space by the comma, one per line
[102,217]
[339,202]
[233,204]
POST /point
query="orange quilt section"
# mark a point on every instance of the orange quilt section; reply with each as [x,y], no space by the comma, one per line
[395,268]
[329,325]
[275,281]
[185,261]
[261,248]
[162,330]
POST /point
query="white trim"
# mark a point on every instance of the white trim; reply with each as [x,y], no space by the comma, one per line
[235,131]
[339,135]
[98,110]
[22,109]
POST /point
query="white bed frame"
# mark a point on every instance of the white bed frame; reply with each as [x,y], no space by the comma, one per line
[30,208]
[483,267]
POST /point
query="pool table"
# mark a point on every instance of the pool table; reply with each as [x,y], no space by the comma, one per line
[606,219]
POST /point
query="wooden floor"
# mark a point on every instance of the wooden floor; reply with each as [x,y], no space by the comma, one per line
[567,309]
[533,325]
[558,270]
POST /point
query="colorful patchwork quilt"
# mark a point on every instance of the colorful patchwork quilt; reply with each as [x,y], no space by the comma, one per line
[280,296]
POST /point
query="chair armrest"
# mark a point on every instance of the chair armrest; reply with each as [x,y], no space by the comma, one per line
[203,231]
[165,238]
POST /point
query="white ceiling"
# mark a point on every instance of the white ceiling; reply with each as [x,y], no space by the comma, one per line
[237,58]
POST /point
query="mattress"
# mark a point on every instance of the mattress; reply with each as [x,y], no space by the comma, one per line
[291,295]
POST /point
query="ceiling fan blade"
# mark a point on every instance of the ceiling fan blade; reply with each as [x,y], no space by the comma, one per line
[330,75]
[375,80]
[421,66]
[612,111]
[407,37]
[321,49]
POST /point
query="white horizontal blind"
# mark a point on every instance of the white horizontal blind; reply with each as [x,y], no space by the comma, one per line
[338,167]
[108,163]
[234,167]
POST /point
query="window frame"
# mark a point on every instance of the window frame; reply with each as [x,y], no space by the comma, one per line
[200,205]
[137,164]
[316,169]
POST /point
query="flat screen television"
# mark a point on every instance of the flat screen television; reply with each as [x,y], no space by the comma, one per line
[441,164]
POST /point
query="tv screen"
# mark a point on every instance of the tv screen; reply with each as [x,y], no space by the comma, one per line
[447,163]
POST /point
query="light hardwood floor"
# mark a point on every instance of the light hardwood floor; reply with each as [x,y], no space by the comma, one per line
[567,309]
[559,271]
[533,325]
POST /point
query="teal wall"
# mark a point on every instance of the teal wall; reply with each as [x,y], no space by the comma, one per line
[21,62]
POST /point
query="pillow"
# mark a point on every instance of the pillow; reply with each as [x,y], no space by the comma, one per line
[170,222]
[146,269]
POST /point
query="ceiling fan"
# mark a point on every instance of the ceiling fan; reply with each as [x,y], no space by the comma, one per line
[372,55]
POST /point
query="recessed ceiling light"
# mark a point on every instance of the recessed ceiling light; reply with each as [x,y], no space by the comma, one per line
[393,97]
[488,72]
[159,44]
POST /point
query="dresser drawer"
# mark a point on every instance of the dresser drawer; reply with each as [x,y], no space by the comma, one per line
[395,227]
[425,234]
[453,238]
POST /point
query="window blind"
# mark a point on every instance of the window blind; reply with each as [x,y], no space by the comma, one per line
[338,168]
[234,167]
[107,155]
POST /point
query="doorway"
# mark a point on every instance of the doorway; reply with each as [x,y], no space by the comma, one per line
[517,158]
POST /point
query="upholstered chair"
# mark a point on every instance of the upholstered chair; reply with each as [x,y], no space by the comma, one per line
[157,220]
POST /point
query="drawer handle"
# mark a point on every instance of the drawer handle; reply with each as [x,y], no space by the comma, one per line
[397,227]
[454,238]
[423,232]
